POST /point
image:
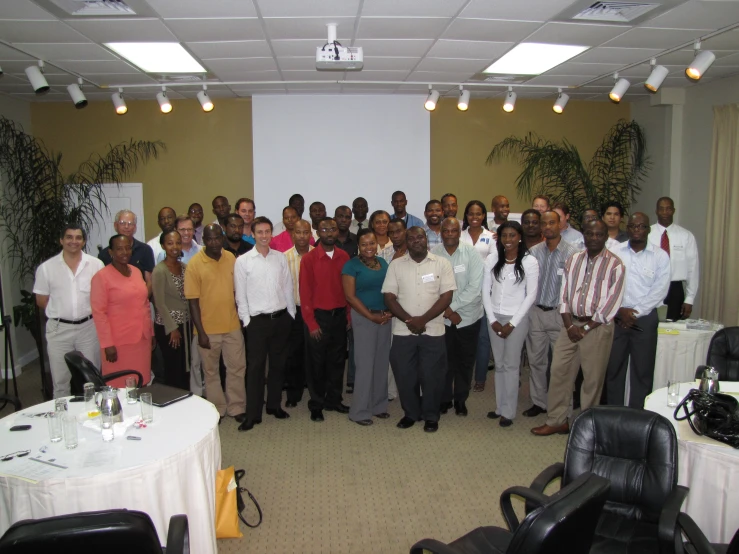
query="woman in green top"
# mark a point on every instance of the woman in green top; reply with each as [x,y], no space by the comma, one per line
[172,326]
[362,278]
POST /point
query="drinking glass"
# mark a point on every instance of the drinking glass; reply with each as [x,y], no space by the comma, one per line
[69,423]
[106,425]
[60,405]
[147,408]
[131,390]
[673,393]
[90,397]
[55,426]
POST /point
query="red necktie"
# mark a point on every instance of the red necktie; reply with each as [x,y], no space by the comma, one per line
[664,243]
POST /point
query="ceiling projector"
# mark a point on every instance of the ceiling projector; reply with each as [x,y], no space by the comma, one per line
[334,57]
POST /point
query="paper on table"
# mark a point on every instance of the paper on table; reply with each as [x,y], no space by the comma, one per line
[119,429]
[29,469]
[102,457]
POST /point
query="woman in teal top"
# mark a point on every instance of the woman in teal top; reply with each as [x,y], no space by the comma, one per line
[362,278]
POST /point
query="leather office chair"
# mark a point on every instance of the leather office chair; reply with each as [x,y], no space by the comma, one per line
[697,543]
[14,400]
[637,451]
[108,532]
[723,354]
[563,522]
[83,371]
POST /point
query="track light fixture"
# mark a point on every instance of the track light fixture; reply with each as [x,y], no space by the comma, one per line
[656,77]
[619,89]
[37,79]
[561,102]
[164,104]
[432,99]
[701,62]
[510,100]
[464,99]
[119,102]
[77,95]
[205,100]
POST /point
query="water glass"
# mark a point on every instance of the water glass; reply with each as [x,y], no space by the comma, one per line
[69,423]
[106,425]
[55,426]
[147,408]
[673,393]
[131,383]
[60,405]
[90,397]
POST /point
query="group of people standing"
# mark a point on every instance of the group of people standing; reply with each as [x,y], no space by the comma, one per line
[428,299]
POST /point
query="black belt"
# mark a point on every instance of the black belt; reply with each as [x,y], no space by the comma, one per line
[546,308]
[273,315]
[334,312]
[72,322]
[583,319]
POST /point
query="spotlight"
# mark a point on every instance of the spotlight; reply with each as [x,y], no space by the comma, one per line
[205,101]
[164,104]
[464,99]
[619,89]
[700,64]
[119,102]
[656,77]
[77,95]
[38,82]
[561,102]
[510,100]
[431,101]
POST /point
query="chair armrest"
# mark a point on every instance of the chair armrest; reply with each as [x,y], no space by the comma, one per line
[14,400]
[178,535]
[116,374]
[432,545]
[694,535]
[542,480]
[667,530]
[535,498]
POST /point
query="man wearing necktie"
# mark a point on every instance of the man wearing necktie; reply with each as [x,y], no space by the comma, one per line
[359,209]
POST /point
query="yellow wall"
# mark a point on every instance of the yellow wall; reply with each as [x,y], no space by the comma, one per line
[461,142]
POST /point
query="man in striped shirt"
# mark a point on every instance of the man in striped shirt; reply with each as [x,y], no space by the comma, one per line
[592,290]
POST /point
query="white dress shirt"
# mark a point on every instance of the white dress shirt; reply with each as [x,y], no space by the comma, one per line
[354,227]
[159,253]
[683,256]
[506,297]
[69,293]
[485,244]
[647,277]
[573,236]
[263,284]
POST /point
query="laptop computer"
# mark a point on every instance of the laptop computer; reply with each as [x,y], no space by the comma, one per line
[164,395]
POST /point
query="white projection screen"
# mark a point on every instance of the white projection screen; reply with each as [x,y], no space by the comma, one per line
[335,148]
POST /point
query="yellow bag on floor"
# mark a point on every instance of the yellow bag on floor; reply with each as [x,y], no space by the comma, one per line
[227,516]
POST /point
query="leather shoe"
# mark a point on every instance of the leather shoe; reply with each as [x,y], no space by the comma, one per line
[316,415]
[383,415]
[534,411]
[478,387]
[431,426]
[249,425]
[291,404]
[460,408]
[363,422]
[279,413]
[505,422]
[240,418]
[405,423]
[546,430]
[341,408]
[445,407]
[493,415]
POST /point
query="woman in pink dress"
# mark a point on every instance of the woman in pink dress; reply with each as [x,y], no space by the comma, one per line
[120,309]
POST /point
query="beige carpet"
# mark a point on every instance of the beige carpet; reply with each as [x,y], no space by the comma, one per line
[337,487]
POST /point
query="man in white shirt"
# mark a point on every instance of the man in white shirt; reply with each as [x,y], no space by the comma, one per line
[62,288]
[647,280]
[501,208]
[264,297]
[680,245]
[166,220]
[573,236]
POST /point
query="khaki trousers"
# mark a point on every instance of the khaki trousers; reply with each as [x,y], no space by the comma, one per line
[233,401]
[592,353]
[544,330]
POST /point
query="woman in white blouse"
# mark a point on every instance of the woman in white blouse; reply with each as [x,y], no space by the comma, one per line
[509,289]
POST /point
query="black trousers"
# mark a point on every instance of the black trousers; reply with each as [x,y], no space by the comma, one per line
[642,347]
[675,299]
[327,356]
[176,364]
[297,359]
[419,365]
[461,348]
[267,337]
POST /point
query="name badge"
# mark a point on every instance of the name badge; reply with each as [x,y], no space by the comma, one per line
[428,278]
[485,240]
[648,272]
[459,268]
[676,247]
[561,271]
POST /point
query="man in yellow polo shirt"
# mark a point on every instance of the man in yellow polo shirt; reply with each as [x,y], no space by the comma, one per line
[209,286]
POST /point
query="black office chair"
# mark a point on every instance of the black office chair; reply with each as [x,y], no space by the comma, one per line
[14,400]
[637,451]
[561,523]
[83,371]
[108,532]
[723,354]
[697,543]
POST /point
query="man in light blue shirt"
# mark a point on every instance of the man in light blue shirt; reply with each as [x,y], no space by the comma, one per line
[462,317]
[647,280]
[434,215]
[566,231]
[399,202]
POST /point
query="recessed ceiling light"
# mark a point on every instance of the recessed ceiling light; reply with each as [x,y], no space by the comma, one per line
[157,57]
[533,58]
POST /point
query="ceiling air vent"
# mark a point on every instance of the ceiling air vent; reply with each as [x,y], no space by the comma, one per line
[96,8]
[619,12]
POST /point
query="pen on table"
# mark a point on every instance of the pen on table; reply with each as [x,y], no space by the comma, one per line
[47,463]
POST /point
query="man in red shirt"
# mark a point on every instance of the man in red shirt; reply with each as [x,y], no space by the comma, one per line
[326,318]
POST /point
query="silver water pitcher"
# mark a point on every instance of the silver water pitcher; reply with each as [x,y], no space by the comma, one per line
[709,380]
[108,403]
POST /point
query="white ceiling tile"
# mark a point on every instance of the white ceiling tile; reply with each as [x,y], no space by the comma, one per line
[679,57]
[725,41]
[438,77]
[580,34]
[23,9]
[38,31]
[490,29]
[266,92]
[244,65]
[223,93]
[654,38]
[697,15]
[312,75]
[255,86]
[401,27]
[559,80]
[534,93]
[298,63]
[308,28]
[375,75]
[423,8]
[389,47]
[376,63]
[572,68]
[640,71]
[63,79]
[123,30]
[452,65]
[369,86]
[230,49]
[297,48]
[198,8]
[524,10]
[722,71]
[313,8]
[352,90]
[7,54]
[469,49]
[206,30]
[620,56]
[413,88]
[270,75]
[322,87]
[97,67]
[114,79]
[18,68]
[732,59]
[67,51]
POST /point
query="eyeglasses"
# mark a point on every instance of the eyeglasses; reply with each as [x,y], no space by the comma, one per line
[637,226]
[190,230]
[12,455]
[126,223]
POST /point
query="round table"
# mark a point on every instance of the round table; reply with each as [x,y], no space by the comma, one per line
[171,470]
[679,352]
[710,470]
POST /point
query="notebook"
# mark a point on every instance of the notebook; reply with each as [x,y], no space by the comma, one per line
[164,395]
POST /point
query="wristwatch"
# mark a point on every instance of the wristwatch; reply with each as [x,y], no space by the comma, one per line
[586,327]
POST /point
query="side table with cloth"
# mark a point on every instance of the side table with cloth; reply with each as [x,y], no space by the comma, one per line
[679,352]
[171,470]
[709,468]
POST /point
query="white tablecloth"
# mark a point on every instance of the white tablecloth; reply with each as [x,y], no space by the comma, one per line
[711,472]
[679,355]
[172,470]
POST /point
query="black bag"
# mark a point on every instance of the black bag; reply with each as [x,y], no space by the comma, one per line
[240,505]
[713,415]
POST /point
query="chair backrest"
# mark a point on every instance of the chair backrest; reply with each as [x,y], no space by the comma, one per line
[83,371]
[14,400]
[108,532]
[723,353]
[566,523]
[636,450]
